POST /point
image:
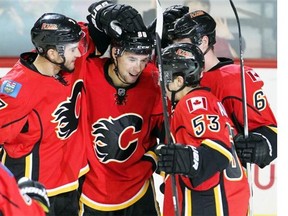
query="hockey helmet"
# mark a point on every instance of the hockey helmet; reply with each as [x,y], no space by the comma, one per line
[195,25]
[139,42]
[52,30]
[183,59]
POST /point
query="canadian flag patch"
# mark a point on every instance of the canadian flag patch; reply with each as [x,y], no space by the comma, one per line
[253,75]
[196,103]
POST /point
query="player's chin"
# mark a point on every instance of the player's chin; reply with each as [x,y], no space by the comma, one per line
[132,80]
[71,67]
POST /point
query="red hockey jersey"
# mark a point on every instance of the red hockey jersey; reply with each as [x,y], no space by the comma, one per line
[221,186]
[225,83]
[122,122]
[224,80]
[40,126]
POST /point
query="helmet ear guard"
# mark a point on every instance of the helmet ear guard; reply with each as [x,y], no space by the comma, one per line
[118,51]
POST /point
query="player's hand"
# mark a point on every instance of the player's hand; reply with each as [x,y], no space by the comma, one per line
[114,19]
[256,148]
[94,10]
[170,15]
[178,159]
[35,191]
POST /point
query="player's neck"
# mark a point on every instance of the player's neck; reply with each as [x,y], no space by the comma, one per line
[45,67]
[210,60]
[116,79]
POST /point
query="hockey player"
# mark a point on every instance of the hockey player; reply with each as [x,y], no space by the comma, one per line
[26,198]
[124,115]
[40,107]
[209,177]
[224,79]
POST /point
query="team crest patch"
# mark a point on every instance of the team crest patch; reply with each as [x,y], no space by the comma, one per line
[10,88]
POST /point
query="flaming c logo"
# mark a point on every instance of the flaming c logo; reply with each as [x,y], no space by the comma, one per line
[116,139]
[67,113]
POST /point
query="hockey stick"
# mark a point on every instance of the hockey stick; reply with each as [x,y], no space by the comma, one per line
[244,107]
[159,29]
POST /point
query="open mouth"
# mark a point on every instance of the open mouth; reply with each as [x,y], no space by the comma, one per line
[134,75]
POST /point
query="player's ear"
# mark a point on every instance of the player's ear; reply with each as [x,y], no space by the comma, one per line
[114,53]
[179,81]
[205,40]
[52,54]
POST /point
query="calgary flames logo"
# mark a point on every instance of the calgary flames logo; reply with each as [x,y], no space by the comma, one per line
[67,113]
[116,139]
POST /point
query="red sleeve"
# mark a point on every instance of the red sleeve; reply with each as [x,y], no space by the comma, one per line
[11,200]
[87,38]
[15,103]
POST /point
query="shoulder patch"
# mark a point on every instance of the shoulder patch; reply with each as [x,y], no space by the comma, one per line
[196,103]
[10,88]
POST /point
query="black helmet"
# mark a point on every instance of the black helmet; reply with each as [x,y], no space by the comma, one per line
[53,29]
[183,59]
[195,25]
[139,42]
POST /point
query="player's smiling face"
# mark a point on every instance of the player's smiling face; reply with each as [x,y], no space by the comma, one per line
[131,65]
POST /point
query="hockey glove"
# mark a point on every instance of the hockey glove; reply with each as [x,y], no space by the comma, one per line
[113,19]
[36,191]
[170,15]
[94,9]
[101,39]
[178,159]
[256,148]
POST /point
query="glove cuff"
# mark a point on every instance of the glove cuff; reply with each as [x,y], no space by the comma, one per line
[195,163]
[35,191]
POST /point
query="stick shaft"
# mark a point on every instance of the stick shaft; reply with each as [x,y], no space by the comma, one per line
[244,107]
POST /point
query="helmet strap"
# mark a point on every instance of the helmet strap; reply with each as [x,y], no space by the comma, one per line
[62,64]
[206,51]
[115,62]
[60,49]
[116,70]
[173,102]
[173,93]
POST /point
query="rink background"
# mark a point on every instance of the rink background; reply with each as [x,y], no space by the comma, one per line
[265,180]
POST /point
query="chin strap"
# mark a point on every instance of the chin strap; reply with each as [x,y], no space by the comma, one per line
[116,70]
[206,51]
